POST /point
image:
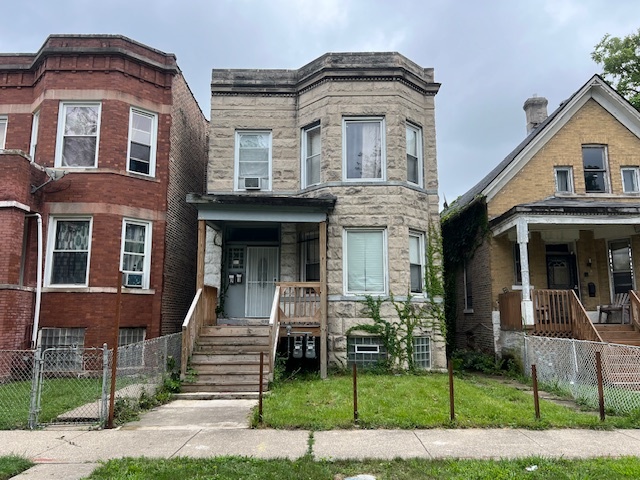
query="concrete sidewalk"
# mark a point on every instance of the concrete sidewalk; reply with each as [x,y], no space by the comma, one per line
[209,428]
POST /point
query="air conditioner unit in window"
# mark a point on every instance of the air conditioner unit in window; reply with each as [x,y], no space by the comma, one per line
[252,183]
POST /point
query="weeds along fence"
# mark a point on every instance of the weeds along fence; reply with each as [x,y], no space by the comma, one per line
[72,384]
[570,366]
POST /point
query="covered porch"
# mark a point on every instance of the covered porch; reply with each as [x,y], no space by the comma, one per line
[263,258]
[572,266]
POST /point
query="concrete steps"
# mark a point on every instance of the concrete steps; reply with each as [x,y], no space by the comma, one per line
[226,361]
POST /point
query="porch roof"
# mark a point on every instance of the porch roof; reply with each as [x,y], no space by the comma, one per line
[262,208]
[573,211]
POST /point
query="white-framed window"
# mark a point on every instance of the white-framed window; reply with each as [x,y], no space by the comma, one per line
[365,351]
[363,147]
[414,154]
[63,349]
[311,155]
[253,160]
[416,261]
[3,131]
[35,122]
[143,131]
[69,251]
[630,179]
[564,179]
[131,346]
[365,261]
[594,161]
[78,134]
[468,288]
[135,259]
[422,352]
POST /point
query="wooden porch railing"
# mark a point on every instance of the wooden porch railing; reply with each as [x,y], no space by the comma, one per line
[201,312]
[274,330]
[559,313]
[634,310]
[300,303]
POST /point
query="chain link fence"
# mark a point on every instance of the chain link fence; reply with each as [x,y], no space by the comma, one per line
[72,384]
[570,366]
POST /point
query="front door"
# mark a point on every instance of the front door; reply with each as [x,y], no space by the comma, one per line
[561,272]
[262,275]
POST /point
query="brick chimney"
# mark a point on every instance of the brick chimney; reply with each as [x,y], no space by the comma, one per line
[535,109]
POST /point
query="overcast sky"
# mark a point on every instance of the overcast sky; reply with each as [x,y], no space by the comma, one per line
[489,56]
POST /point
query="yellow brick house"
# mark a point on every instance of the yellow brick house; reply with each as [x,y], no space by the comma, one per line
[556,237]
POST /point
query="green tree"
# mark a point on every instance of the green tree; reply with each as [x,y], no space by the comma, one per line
[620,60]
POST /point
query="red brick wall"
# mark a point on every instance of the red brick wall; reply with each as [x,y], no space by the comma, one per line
[187,173]
[17,315]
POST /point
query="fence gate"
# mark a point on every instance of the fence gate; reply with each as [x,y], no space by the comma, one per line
[72,380]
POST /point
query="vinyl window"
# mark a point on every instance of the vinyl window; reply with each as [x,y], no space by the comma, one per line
[630,180]
[3,131]
[136,253]
[564,179]
[416,261]
[311,155]
[69,247]
[365,264]
[78,135]
[414,154]
[253,160]
[621,266]
[35,123]
[363,149]
[143,127]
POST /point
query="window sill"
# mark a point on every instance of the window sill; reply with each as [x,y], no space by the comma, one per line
[72,289]
[467,311]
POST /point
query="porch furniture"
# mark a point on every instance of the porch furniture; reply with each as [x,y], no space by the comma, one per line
[620,304]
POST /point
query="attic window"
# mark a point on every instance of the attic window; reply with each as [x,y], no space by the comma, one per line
[595,168]
[564,179]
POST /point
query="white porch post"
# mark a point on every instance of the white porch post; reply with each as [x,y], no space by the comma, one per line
[522,230]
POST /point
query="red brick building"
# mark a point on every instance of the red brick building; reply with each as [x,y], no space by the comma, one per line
[100,141]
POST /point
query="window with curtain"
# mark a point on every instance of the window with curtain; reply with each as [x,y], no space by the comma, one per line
[69,261]
[253,159]
[136,249]
[311,155]
[78,130]
[364,148]
[365,264]
[142,142]
[630,180]
[564,179]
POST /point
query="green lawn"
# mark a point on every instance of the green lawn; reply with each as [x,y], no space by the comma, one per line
[58,396]
[12,465]
[308,469]
[418,401]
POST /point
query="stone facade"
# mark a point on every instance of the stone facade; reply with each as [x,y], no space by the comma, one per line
[332,88]
[117,74]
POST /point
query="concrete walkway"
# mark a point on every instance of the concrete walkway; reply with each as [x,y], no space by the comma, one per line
[209,428]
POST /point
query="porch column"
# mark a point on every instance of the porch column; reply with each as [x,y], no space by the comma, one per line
[323,299]
[522,229]
[202,237]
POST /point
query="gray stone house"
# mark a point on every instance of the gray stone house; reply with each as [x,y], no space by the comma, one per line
[321,186]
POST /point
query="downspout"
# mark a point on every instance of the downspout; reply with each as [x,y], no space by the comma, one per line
[36,313]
